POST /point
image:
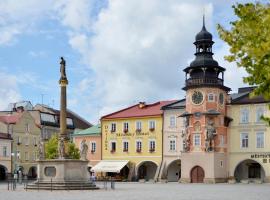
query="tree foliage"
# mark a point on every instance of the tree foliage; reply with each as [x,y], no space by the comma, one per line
[249,41]
[51,149]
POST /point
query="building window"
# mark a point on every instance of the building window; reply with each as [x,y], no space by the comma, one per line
[138,146]
[26,156]
[152,125]
[244,140]
[35,141]
[197,140]
[5,151]
[221,163]
[260,140]
[18,155]
[113,127]
[19,140]
[222,140]
[138,126]
[26,141]
[125,127]
[93,147]
[172,121]
[211,97]
[152,146]
[125,146]
[113,147]
[172,145]
[244,115]
[27,128]
[259,114]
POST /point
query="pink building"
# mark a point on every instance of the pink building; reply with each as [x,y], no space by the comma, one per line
[92,136]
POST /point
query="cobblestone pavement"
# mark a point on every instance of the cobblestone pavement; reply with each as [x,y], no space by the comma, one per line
[148,191]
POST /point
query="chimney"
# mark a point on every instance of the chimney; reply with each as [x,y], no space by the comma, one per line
[142,105]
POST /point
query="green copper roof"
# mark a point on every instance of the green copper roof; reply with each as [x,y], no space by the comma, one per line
[94,130]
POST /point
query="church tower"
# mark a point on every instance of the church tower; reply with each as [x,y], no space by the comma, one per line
[205,135]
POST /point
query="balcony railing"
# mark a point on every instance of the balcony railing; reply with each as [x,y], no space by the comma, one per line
[206,80]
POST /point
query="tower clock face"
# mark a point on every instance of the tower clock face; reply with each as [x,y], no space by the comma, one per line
[221,98]
[197,97]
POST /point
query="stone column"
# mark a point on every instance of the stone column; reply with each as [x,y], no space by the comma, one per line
[63,139]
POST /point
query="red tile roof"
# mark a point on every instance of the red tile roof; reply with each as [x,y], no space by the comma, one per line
[135,111]
[10,119]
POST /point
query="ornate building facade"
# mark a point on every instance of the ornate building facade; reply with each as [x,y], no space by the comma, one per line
[205,151]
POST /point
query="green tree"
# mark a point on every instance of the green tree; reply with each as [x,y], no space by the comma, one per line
[73,151]
[249,41]
[51,149]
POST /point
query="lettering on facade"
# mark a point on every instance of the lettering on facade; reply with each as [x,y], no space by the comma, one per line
[265,157]
[132,134]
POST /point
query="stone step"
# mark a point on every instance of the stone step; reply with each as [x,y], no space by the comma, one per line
[61,186]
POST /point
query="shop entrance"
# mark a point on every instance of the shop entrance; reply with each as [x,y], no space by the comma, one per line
[249,169]
[197,174]
[3,172]
[147,170]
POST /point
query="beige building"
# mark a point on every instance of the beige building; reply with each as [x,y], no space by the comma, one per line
[26,135]
[173,128]
[249,136]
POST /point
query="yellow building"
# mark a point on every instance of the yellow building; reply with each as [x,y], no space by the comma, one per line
[134,135]
[249,157]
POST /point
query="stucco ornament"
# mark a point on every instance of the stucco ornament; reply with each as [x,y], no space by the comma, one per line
[83,150]
[185,136]
[210,135]
[61,148]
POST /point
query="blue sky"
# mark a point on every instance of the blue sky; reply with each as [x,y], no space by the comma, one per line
[118,52]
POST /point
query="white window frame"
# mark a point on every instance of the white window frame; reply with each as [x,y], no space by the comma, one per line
[18,155]
[243,137]
[196,136]
[27,139]
[152,143]
[111,145]
[125,126]
[244,115]
[172,143]
[136,146]
[113,127]
[208,97]
[125,144]
[261,142]
[259,111]
[152,124]
[138,125]
[173,119]
[27,128]
[5,151]
[93,146]
[26,156]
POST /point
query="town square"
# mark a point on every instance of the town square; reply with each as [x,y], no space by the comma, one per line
[135,99]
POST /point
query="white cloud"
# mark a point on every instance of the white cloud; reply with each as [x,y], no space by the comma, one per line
[9,90]
[140,49]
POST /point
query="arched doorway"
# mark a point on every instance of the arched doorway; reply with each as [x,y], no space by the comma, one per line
[32,173]
[174,171]
[197,174]
[3,172]
[249,169]
[147,170]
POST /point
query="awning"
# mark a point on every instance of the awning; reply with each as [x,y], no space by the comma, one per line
[109,166]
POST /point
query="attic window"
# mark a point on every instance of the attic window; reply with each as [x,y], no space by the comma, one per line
[142,104]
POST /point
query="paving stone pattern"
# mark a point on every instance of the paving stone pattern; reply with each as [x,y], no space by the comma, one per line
[148,191]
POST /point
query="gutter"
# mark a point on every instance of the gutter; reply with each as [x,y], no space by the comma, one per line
[162,138]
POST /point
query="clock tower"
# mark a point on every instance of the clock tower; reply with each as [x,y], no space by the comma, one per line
[204,156]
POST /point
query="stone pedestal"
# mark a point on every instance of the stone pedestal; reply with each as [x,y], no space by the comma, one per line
[63,170]
[62,174]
